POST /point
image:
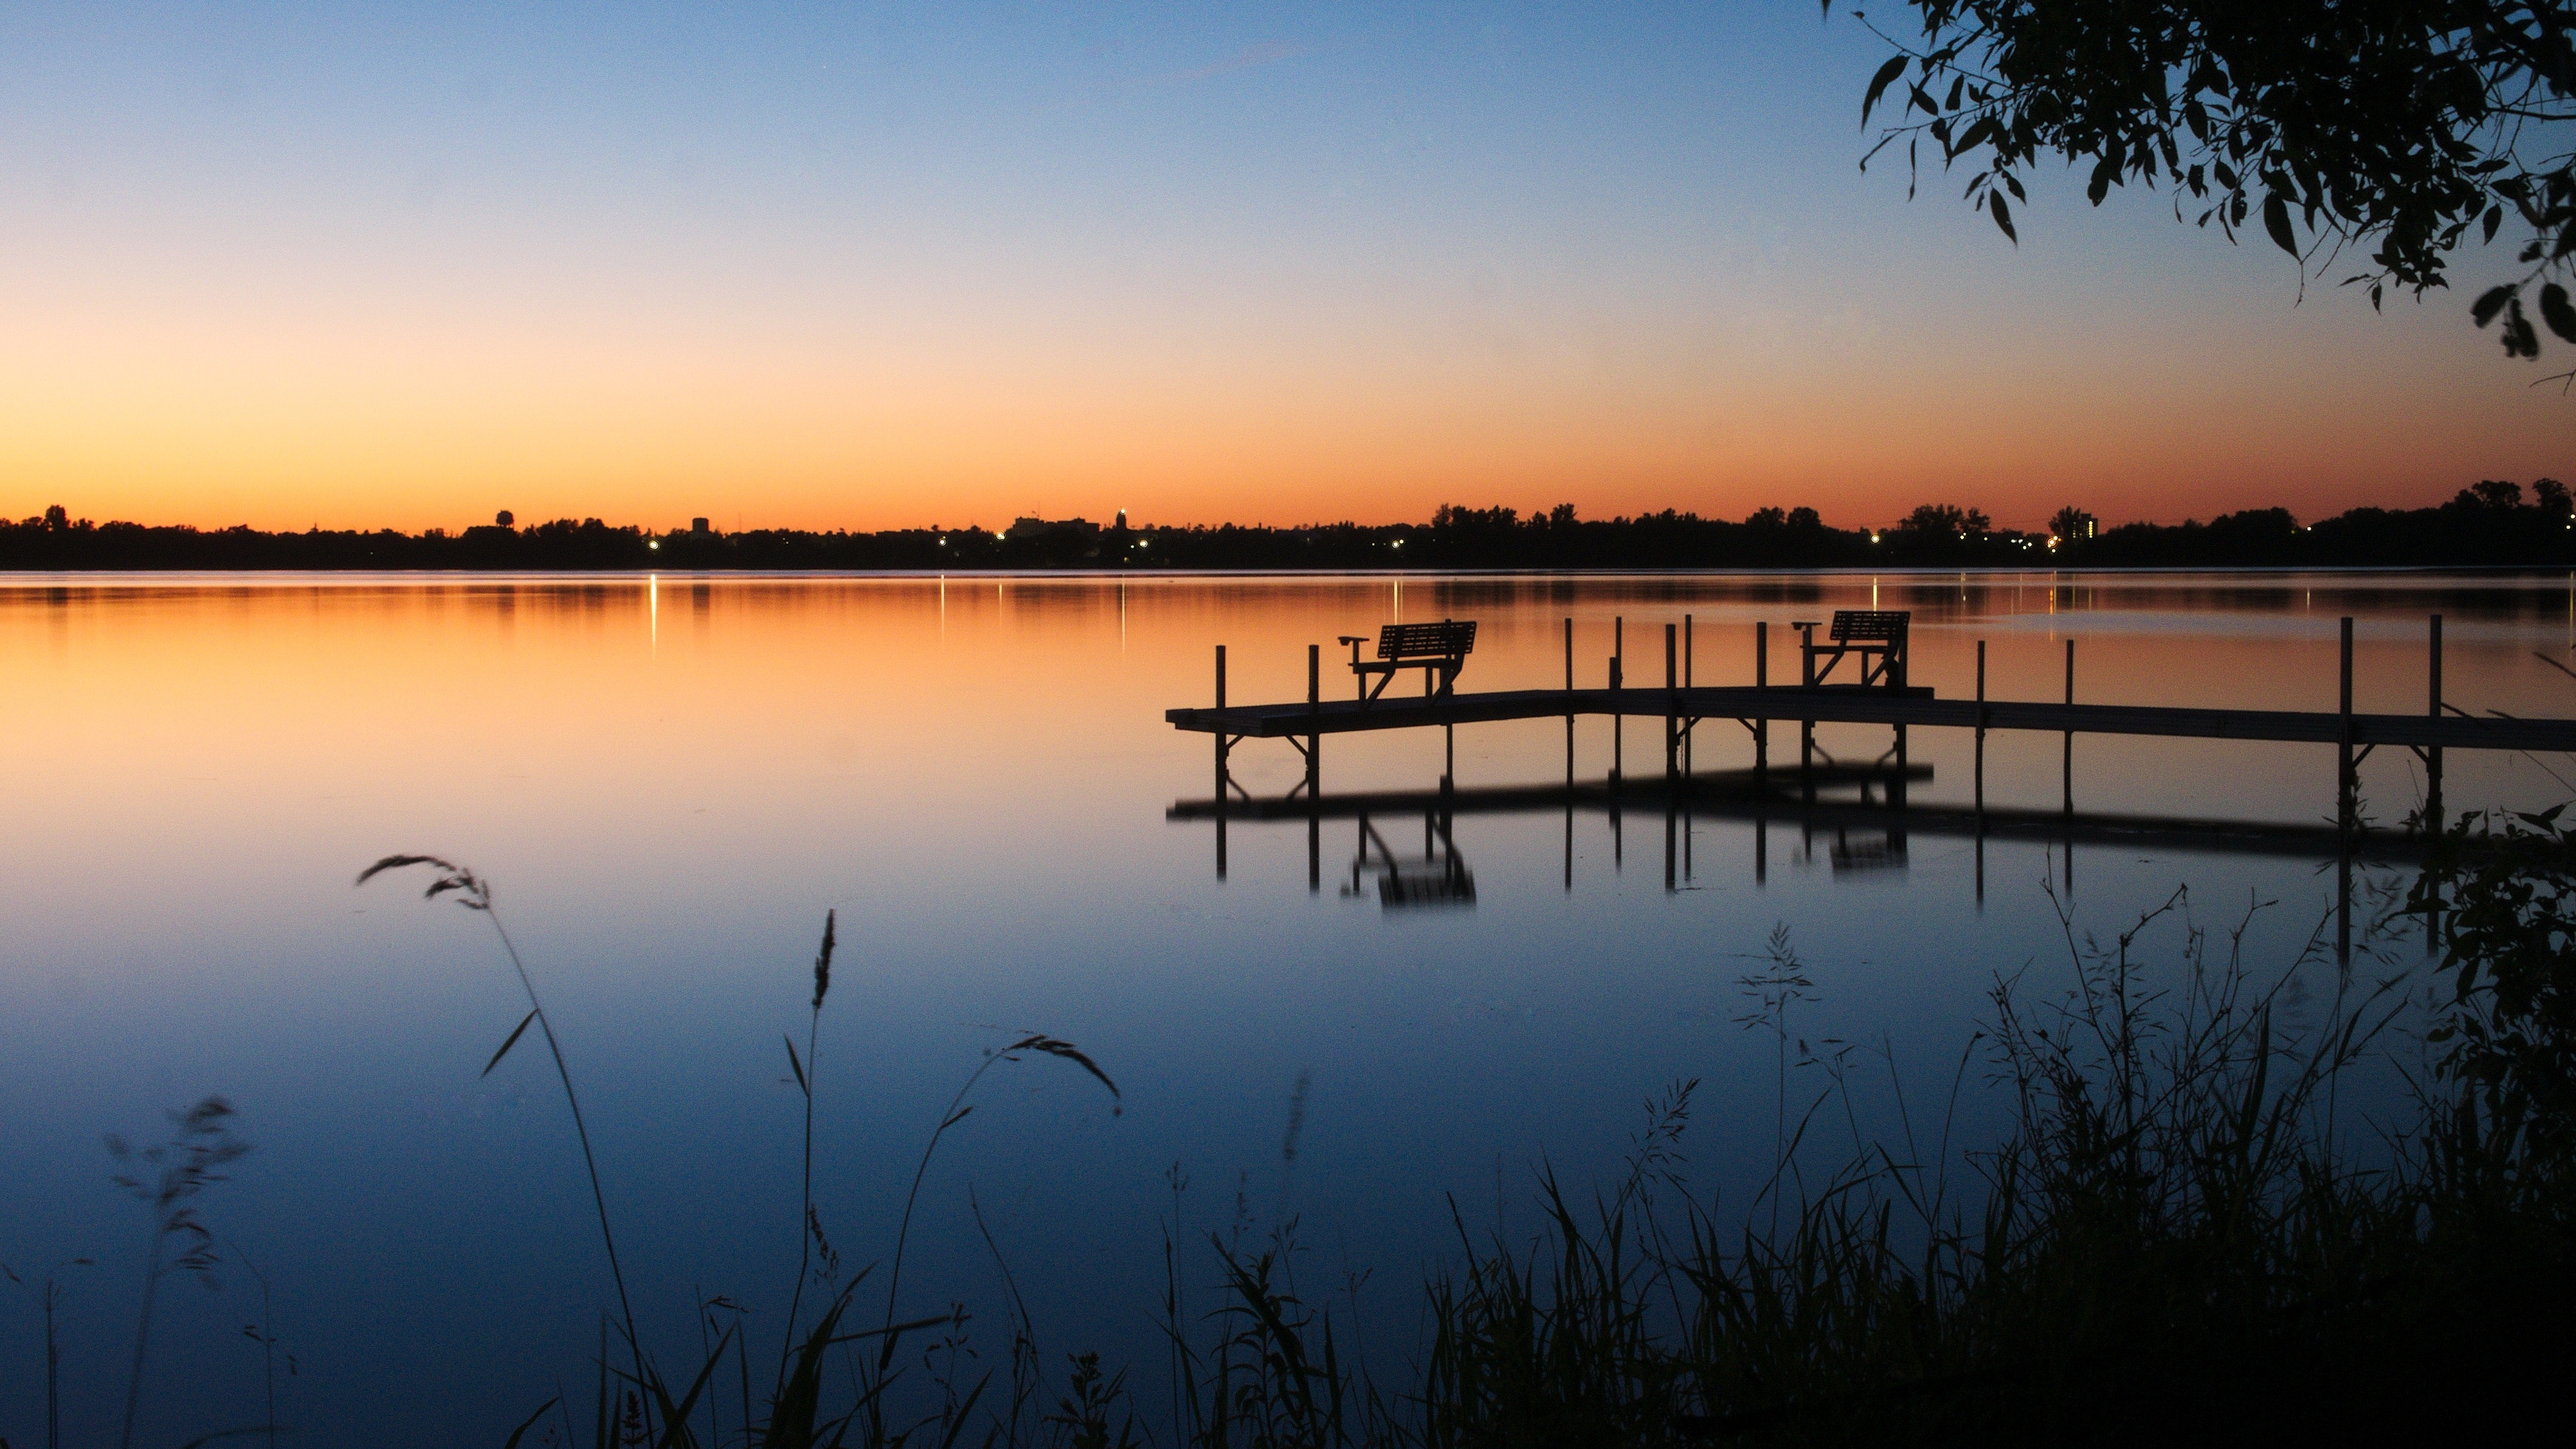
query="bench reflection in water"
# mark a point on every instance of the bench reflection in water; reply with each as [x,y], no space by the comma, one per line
[1436,878]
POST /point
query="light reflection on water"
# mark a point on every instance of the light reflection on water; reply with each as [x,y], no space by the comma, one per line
[671,779]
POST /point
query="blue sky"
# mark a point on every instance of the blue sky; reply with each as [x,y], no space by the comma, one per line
[867,264]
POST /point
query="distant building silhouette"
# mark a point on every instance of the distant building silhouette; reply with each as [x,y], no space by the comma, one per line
[1053,528]
[503,519]
[697,525]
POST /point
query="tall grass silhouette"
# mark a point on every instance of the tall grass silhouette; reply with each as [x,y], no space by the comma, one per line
[169,1177]
[807,1228]
[797,1417]
[475,894]
[47,1294]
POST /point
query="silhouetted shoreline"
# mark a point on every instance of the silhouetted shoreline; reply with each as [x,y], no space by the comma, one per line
[2491,525]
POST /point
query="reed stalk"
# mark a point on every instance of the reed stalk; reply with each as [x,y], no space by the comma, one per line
[804,1070]
[957,1111]
[475,894]
[169,1178]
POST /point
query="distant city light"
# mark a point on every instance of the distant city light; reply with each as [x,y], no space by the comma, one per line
[653,543]
[1873,538]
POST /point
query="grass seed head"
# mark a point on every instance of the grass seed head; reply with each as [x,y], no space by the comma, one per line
[823,961]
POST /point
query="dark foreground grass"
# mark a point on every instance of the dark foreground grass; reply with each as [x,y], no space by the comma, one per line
[2185,1234]
[2176,1240]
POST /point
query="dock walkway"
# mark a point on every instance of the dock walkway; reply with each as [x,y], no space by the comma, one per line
[1848,705]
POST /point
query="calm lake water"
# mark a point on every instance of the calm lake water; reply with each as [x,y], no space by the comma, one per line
[669,781]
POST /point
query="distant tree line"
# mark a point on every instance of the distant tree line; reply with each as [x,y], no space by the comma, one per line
[2487,525]
[2491,524]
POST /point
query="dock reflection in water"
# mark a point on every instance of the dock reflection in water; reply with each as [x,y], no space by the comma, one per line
[1865,831]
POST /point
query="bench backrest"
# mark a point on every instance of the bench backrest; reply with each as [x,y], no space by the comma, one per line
[1443,640]
[1871,625]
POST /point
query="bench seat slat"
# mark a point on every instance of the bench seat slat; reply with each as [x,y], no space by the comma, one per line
[1852,625]
[1426,641]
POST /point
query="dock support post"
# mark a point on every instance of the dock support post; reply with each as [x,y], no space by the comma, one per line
[1687,732]
[2066,766]
[1762,721]
[1672,706]
[2347,791]
[1981,735]
[1569,735]
[1220,765]
[2346,777]
[1618,680]
[2433,755]
[1314,710]
[1807,728]
[1981,775]
[1618,741]
[1314,772]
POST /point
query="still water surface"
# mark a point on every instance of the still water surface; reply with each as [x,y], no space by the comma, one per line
[671,780]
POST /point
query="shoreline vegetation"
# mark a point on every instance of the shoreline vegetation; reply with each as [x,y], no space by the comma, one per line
[2185,1230]
[2494,524]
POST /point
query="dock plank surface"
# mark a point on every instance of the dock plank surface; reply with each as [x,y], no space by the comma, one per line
[1882,707]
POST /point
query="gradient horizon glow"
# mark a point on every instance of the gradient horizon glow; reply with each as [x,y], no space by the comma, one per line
[891,266]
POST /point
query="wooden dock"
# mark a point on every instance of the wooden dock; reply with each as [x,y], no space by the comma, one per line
[1684,705]
[1788,793]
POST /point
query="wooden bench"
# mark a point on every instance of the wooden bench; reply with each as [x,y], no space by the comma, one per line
[1876,636]
[1438,650]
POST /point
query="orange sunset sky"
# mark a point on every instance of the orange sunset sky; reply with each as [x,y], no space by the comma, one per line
[824,267]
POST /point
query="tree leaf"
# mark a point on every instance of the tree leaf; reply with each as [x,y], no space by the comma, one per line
[2555,311]
[2520,340]
[1879,83]
[2276,220]
[2490,302]
[2002,216]
[521,1031]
